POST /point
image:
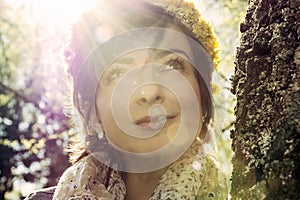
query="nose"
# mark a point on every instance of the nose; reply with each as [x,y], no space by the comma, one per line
[149,94]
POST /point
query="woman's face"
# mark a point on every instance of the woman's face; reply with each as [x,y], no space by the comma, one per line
[143,81]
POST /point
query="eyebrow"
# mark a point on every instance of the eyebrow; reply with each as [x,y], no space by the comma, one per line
[164,53]
[125,60]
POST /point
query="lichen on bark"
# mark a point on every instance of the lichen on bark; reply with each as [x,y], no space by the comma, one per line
[266,138]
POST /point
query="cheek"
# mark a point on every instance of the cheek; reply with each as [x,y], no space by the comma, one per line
[104,108]
[103,104]
[195,85]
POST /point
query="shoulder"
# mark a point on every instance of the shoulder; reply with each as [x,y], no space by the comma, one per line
[43,194]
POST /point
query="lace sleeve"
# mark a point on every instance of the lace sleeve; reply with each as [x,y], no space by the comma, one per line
[83,180]
[43,194]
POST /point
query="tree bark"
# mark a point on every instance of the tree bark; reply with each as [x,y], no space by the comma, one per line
[266,138]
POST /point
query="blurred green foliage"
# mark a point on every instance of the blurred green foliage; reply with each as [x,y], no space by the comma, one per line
[33,128]
[225,18]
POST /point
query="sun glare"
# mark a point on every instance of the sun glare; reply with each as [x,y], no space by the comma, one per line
[60,13]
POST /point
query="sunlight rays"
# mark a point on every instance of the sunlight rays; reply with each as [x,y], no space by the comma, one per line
[60,13]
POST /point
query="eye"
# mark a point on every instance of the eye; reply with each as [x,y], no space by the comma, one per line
[174,63]
[115,73]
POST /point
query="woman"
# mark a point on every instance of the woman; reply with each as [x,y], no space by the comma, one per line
[141,72]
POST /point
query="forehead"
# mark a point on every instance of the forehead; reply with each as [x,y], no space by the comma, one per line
[160,38]
[150,55]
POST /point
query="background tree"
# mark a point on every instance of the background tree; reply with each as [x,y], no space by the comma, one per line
[266,139]
[33,127]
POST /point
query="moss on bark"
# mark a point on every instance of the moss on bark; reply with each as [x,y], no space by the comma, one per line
[266,139]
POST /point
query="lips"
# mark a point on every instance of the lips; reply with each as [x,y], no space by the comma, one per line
[153,122]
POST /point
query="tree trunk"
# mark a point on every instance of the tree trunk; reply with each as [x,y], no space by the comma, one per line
[266,139]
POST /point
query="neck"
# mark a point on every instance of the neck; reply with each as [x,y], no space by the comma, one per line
[148,176]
